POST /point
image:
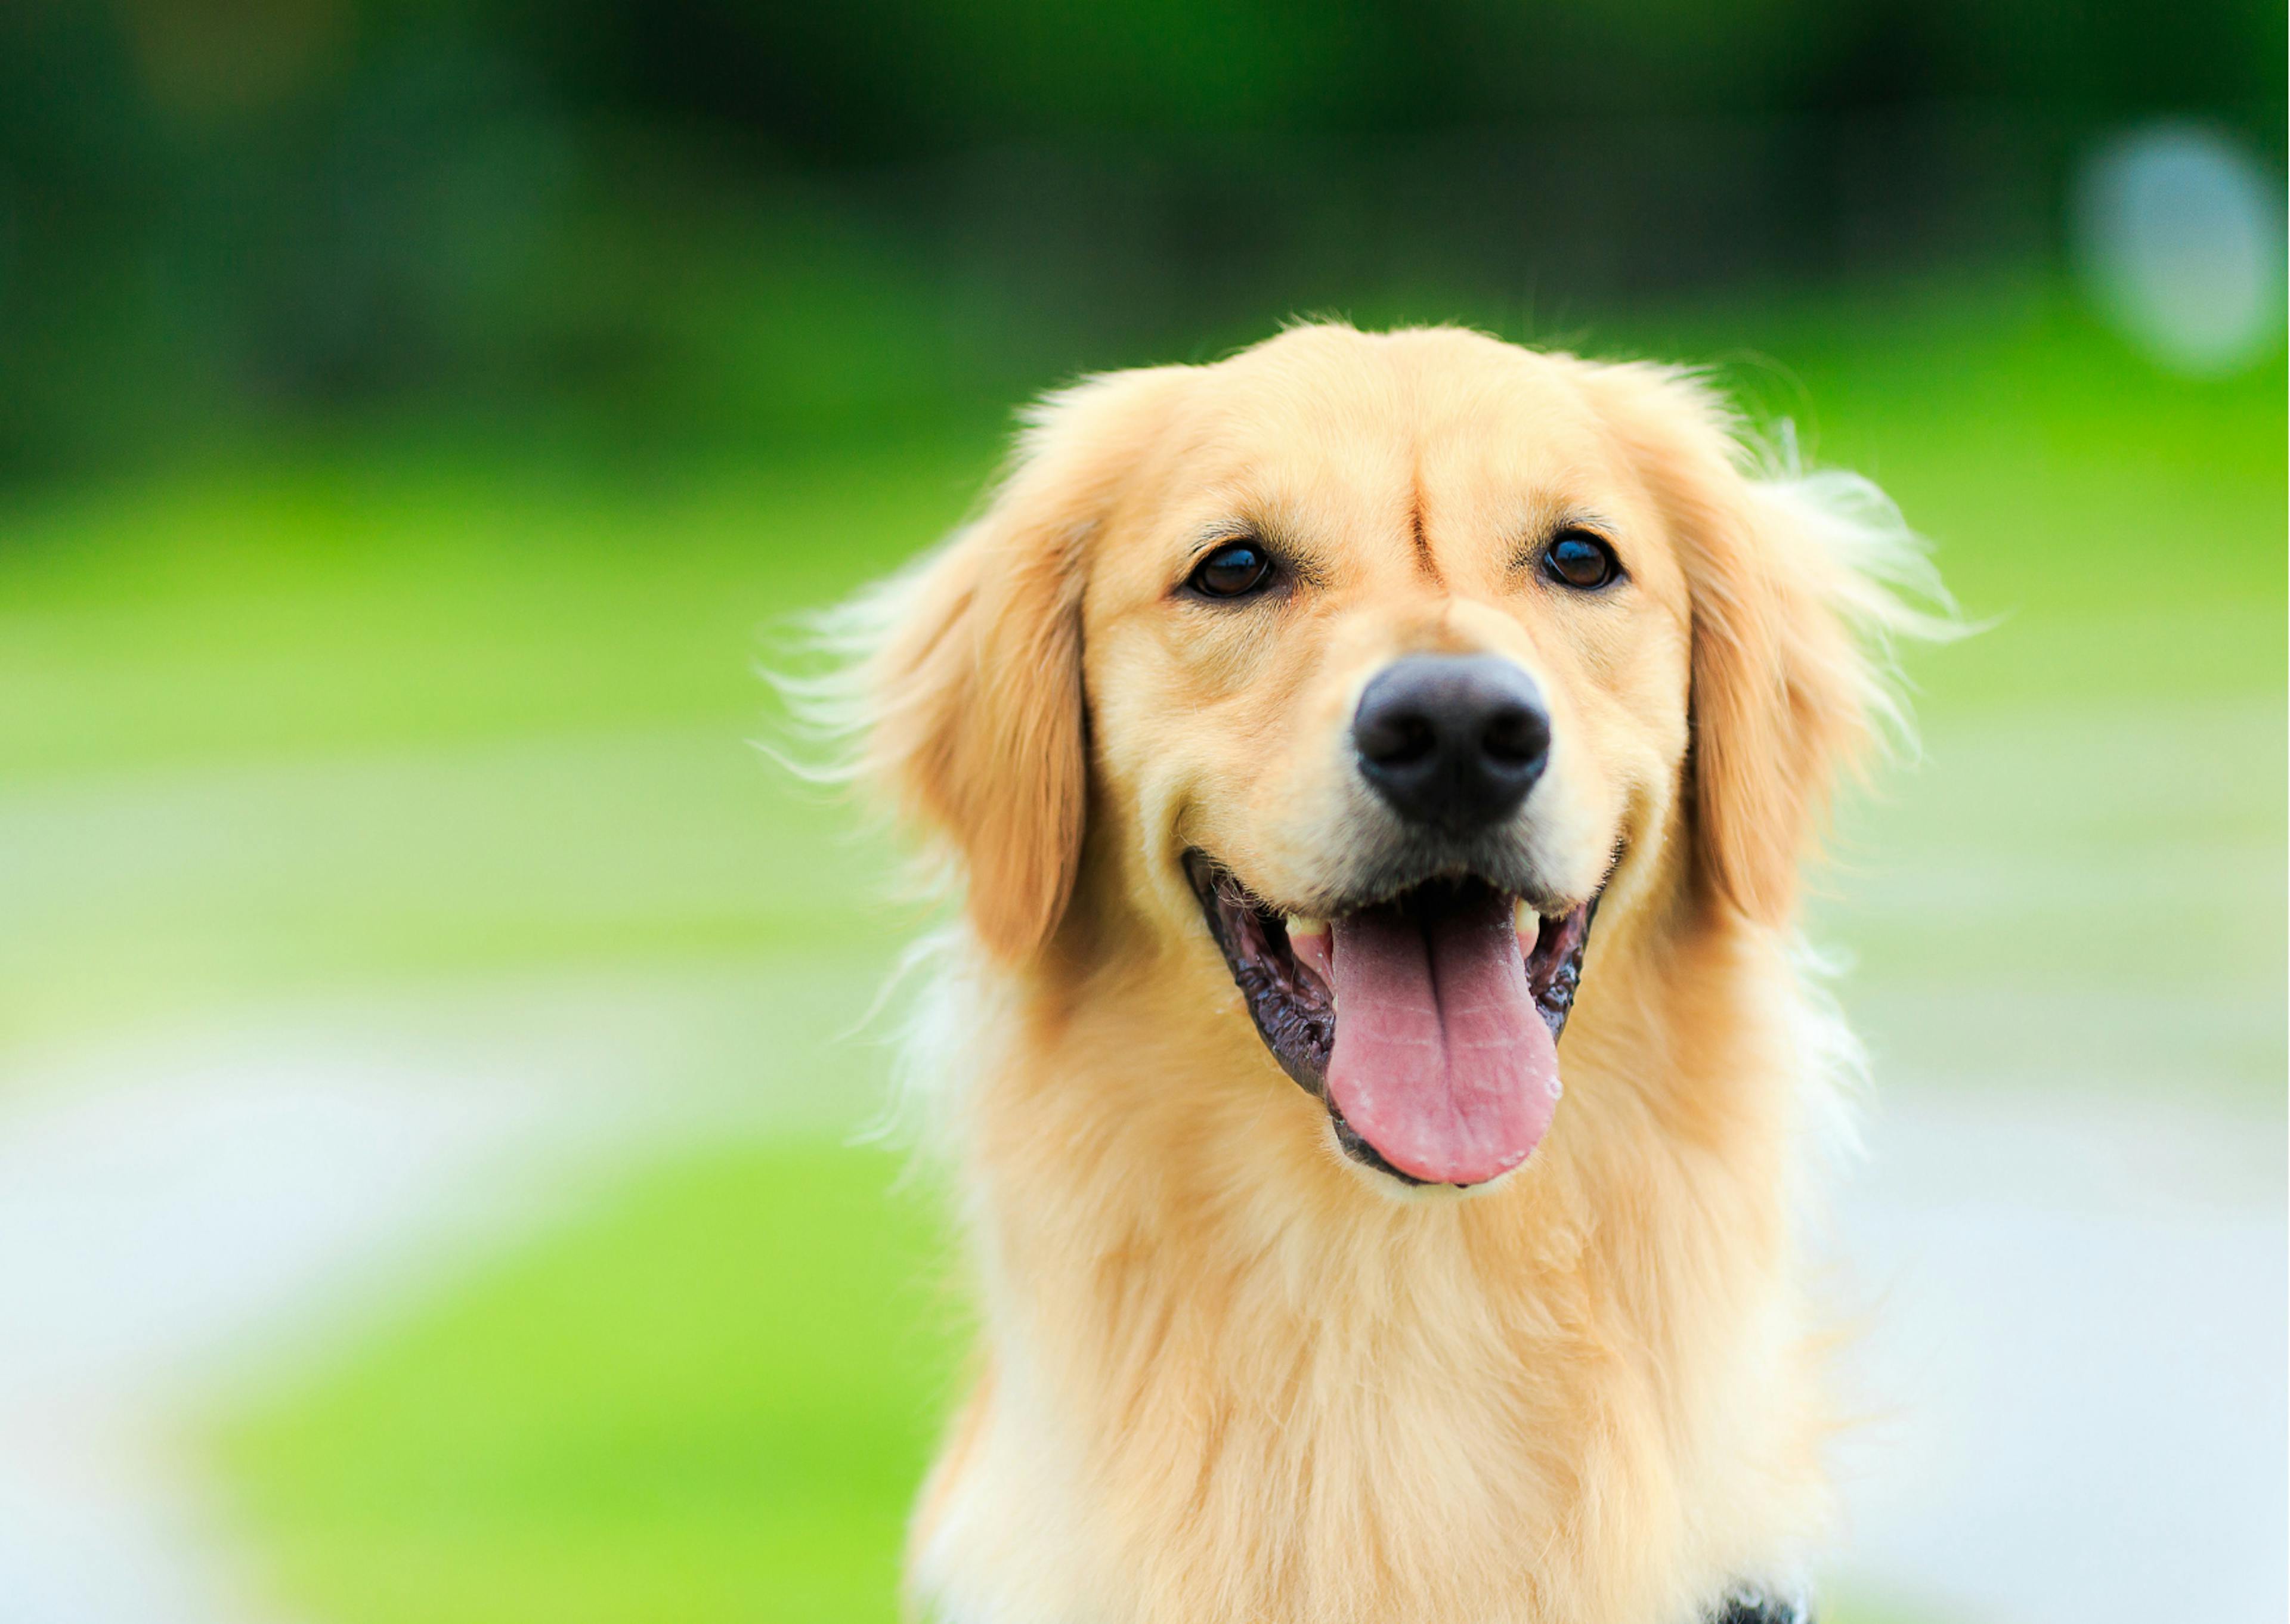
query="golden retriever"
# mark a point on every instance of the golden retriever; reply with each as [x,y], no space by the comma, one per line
[1374,1050]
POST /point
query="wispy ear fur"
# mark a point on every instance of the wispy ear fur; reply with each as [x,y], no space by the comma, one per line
[969,668]
[1801,585]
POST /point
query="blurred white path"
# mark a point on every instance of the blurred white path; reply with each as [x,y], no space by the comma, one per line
[186,1212]
[2078,1313]
[150,1227]
[2076,1367]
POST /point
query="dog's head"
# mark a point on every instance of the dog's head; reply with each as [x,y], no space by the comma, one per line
[1373,665]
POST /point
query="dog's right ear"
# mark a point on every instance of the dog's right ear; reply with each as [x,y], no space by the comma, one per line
[976,722]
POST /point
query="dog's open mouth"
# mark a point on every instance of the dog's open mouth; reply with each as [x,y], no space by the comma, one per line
[1428,1024]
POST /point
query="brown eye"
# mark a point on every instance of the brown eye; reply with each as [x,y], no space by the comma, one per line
[1234,569]
[1581,561]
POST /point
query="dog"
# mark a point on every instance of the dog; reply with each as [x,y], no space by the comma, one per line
[1374,1056]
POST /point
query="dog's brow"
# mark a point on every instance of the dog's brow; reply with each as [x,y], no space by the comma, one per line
[1307,562]
[1545,526]
[1209,537]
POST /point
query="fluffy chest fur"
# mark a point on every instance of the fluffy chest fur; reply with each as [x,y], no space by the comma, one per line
[1224,1381]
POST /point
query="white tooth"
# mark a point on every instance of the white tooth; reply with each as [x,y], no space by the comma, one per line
[1298,926]
[1527,922]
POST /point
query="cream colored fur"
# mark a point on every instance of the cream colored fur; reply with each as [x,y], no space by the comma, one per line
[1224,1374]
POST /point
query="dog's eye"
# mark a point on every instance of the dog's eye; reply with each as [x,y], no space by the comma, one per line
[1580,561]
[1234,569]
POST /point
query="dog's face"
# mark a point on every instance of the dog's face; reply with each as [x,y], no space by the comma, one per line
[1378,662]
[1390,663]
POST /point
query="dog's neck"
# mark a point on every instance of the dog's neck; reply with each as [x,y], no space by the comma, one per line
[1236,1377]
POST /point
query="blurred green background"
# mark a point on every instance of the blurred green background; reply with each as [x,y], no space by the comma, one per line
[421,418]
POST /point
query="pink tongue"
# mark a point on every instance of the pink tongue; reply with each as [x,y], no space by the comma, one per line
[1442,1061]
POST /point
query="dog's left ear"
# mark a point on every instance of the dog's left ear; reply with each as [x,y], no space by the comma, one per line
[1791,581]
[972,695]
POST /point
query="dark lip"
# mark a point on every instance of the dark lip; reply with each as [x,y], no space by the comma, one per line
[1292,1011]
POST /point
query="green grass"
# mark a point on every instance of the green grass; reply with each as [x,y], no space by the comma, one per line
[704,1401]
[377,716]
[371,592]
[392,712]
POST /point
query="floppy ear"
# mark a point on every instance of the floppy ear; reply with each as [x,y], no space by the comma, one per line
[1792,582]
[972,697]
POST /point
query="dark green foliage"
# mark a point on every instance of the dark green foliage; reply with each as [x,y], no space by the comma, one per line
[674,215]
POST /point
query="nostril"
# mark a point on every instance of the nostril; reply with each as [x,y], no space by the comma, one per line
[1516,736]
[1398,740]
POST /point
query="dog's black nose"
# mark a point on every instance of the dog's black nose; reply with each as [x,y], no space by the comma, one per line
[1452,741]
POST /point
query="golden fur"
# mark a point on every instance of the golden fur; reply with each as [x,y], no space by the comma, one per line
[1227,1374]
